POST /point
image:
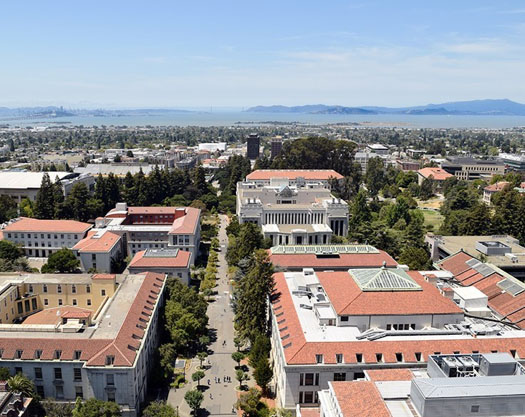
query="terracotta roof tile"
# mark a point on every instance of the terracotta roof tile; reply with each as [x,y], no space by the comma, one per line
[360,399]
[438,174]
[103,243]
[293,174]
[399,374]
[182,260]
[26,224]
[188,223]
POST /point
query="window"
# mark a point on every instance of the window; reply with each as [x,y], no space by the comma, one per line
[40,391]
[77,374]
[111,396]
[93,257]
[474,409]
[110,379]
[418,356]
[38,354]
[78,392]
[33,304]
[73,289]
[58,373]
[88,302]
[319,358]
[379,357]
[88,288]
[19,353]
[60,301]
[389,327]
[513,353]
[44,288]
[339,357]
[344,318]
[59,389]
[359,357]
[38,373]
[59,288]
[309,379]
[30,288]
[57,354]
[46,301]
[103,293]
[74,301]
[340,376]
[18,370]
[399,357]
[110,360]
[20,308]
[77,354]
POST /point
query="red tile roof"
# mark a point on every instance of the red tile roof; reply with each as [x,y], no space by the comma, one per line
[348,299]
[123,347]
[55,315]
[498,186]
[456,263]
[298,351]
[182,260]
[399,374]
[152,210]
[26,224]
[293,174]
[344,260]
[360,399]
[104,276]
[438,174]
[310,412]
[91,243]
[188,223]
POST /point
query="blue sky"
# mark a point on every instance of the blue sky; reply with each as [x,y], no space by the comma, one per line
[243,53]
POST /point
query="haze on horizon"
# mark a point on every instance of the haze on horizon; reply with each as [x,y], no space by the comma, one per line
[241,54]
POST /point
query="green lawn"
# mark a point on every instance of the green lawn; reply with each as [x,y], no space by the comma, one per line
[433,218]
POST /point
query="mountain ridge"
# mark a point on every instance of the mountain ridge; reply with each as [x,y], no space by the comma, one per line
[486,107]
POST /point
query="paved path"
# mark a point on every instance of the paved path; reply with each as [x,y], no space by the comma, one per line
[223,395]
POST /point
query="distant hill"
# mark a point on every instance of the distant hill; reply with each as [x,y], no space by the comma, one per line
[503,107]
[51,111]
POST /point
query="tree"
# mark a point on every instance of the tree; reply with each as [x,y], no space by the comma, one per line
[96,408]
[167,354]
[20,383]
[197,376]
[241,376]
[416,258]
[76,203]
[238,357]
[10,251]
[44,202]
[7,208]
[260,349]
[375,175]
[252,295]
[250,403]
[57,409]
[158,409]
[263,374]
[4,373]
[426,189]
[202,356]
[61,261]
[194,400]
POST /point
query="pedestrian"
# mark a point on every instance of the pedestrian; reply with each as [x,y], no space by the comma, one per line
[208,382]
[211,396]
[218,380]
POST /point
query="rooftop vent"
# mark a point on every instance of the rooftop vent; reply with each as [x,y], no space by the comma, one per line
[492,247]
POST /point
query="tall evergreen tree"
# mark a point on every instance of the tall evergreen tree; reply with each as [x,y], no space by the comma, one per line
[45,200]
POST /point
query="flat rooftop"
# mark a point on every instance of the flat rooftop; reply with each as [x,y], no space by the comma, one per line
[454,244]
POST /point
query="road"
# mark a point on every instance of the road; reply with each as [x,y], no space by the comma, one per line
[218,397]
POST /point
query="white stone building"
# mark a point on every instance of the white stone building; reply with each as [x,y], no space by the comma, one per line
[40,238]
[301,213]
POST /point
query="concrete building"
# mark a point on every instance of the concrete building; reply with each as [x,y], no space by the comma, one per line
[118,169]
[377,148]
[40,238]
[492,189]
[362,159]
[22,184]
[437,175]
[302,214]
[276,145]
[99,250]
[502,251]
[335,326]
[212,146]
[406,165]
[253,144]
[514,162]
[491,384]
[467,168]
[144,228]
[172,262]
[332,257]
[81,335]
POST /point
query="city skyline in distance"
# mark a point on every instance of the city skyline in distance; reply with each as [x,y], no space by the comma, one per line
[238,55]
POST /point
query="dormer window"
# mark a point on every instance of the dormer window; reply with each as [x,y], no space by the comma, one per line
[77,354]
[19,353]
[339,357]
[38,354]
[110,360]
[359,357]
[57,355]
[319,358]
[399,357]
[379,357]
[419,357]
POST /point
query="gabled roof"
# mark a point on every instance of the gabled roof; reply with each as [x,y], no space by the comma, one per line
[100,241]
[437,174]
[383,279]
[142,259]
[26,224]
[293,174]
[359,399]
[188,223]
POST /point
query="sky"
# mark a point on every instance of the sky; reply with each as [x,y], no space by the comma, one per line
[221,53]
